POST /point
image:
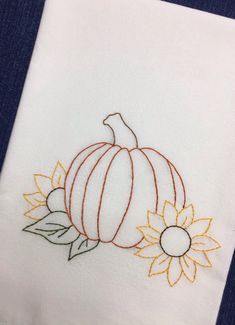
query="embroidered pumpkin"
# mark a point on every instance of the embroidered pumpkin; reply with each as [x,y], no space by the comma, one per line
[110,187]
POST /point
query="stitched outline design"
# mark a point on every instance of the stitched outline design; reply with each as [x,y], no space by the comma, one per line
[60,181]
[67,232]
[162,247]
[96,165]
[38,200]
[195,254]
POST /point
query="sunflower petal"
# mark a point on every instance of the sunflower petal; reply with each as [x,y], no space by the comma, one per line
[34,199]
[149,251]
[159,265]
[143,243]
[174,272]
[58,176]
[43,184]
[185,217]
[169,214]
[156,221]
[199,227]
[200,258]
[37,213]
[204,243]
[189,268]
[149,234]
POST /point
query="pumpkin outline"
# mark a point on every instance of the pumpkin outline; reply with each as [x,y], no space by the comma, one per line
[109,145]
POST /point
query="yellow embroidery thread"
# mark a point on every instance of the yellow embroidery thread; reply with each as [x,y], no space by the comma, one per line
[195,254]
[37,200]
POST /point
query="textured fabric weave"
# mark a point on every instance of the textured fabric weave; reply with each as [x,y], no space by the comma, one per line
[19,22]
[225,8]
[218,7]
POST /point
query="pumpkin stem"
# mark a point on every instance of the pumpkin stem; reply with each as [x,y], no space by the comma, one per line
[123,135]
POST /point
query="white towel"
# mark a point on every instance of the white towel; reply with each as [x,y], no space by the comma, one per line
[125,135]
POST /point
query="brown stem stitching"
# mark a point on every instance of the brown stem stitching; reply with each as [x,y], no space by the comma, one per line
[114,138]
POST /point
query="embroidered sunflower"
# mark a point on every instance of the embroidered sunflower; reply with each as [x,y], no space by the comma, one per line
[177,243]
[49,195]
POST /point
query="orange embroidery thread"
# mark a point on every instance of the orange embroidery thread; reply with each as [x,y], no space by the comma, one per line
[63,217]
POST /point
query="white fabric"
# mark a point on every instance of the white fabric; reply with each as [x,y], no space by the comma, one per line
[170,72]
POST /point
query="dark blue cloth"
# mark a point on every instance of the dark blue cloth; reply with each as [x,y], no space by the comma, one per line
[226,314]
[19,22]
[219,7]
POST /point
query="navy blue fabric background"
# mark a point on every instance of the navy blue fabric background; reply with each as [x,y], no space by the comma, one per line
[19,23]
[219,7]
[226,314]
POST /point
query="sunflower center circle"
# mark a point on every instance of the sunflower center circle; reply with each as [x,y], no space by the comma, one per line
[175,241]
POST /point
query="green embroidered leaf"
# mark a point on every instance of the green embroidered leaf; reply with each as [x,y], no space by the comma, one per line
[55,227]
[82,245]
